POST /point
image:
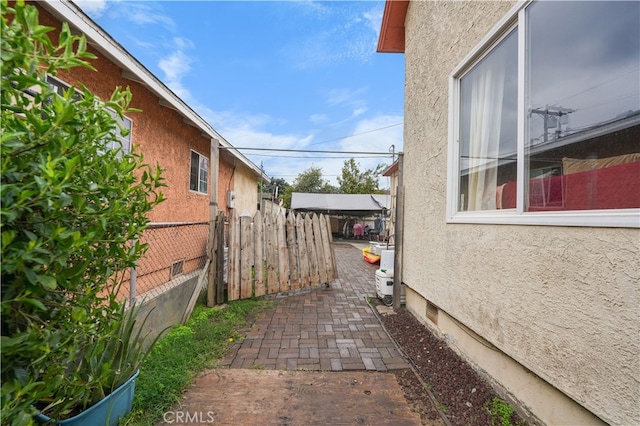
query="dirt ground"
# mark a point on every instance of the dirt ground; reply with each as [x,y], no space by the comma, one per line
[286,398]
[448,385]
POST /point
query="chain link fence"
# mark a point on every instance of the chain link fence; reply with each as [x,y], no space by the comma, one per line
[177,252]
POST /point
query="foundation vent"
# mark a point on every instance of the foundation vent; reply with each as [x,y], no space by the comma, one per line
[177,268]
[432,312]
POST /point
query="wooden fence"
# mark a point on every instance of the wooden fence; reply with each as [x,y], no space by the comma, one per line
[271,253]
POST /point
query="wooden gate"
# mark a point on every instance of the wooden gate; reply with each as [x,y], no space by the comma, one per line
[271,253]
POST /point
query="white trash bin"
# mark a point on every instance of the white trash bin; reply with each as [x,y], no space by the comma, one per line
[384,286]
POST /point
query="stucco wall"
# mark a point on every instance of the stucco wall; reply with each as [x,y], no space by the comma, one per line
[561,301]
[159,132]
[235,176]
[246,190]
[226,173]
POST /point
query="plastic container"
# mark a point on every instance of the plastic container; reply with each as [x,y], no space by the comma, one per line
[386,259]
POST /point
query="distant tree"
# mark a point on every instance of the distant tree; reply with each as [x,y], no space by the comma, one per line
[310,181]
[279,183]
[353,181]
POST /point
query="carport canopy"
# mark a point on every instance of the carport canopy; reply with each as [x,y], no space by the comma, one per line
[341,204]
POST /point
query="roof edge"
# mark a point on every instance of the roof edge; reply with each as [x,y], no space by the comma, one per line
[391,39]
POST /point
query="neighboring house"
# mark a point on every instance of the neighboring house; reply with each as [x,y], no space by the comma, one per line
[200,166]
[522,195]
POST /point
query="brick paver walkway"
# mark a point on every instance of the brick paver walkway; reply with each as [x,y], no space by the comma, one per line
[322,328]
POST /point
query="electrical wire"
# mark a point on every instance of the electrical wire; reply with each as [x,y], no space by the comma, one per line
[356,134]
[313,157]
[386,154]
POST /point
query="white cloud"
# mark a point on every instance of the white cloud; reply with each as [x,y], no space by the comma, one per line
[94,8]
[145,14]
[318,118]
[344,96]
[176,65]
[373,19]
[352,35]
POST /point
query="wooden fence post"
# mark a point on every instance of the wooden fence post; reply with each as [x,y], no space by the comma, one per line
[283,259]
[258,262]
[311,251]
[325,228]
[294,272]
[233,275]
[220,261]
[319,246]
[246,258]
[303,253]
[272,258]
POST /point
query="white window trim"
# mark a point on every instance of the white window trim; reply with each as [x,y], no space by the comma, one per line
[197,191]
[620,218]
[129,137]
[66,86]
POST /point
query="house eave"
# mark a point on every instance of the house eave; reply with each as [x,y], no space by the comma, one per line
[391,38]
[391,169]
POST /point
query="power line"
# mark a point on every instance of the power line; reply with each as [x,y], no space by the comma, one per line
[356,134]
[315,157]
[387,154]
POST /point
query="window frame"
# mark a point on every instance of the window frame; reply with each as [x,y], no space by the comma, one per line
[198,177]
[61,86]
[514,19]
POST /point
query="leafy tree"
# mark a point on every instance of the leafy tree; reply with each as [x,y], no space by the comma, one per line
[311,181]
[353,181]
[279,183]
[69,208]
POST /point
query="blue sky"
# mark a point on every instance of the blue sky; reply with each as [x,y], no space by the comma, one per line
[276,74]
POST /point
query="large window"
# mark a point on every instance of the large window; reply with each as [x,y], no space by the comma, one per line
[199,173]
[547,118]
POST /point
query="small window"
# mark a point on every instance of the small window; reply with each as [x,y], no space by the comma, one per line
[60,87]
[199,175]
[123,134]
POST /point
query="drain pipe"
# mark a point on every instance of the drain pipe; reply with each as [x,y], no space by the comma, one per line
[398,239]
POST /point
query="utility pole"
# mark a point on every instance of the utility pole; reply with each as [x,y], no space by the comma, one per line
[212,284]
[555,114]
[261,186]
[398,239]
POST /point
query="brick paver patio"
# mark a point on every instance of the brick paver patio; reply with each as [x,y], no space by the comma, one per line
[329,329]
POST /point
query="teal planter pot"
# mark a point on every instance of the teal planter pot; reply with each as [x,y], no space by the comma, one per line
[107,412]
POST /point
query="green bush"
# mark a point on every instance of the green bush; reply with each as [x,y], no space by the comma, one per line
[69,208]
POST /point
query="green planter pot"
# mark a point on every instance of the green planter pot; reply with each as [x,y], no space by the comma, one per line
[109,411]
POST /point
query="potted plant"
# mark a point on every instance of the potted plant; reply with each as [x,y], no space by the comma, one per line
[114,359]
[69,208]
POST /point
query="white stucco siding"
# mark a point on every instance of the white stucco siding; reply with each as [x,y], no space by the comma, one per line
[562,301]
